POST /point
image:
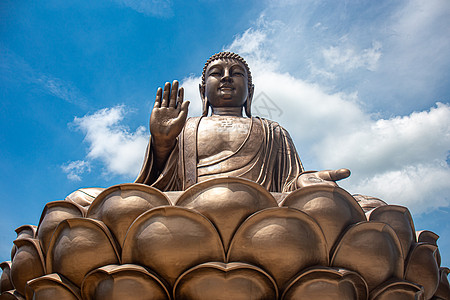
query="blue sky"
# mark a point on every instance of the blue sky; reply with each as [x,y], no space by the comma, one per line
[358,84]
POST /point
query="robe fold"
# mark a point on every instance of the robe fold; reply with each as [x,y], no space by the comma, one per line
[267,156]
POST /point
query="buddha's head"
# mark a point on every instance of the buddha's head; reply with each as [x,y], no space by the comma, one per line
[226,82]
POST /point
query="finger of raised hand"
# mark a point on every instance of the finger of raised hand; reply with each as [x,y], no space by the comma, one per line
[184,111]
[166,94]
[180,98]
[173,94]
[158,98]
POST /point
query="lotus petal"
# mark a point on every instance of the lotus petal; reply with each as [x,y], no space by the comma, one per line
[5,279]
[373,250]
[169,240]
[225,281]
[283,241]
[85,196]
[368,203]
[227,202]
[119,205]
[122,282]
[422,268]
[78,246]
[53,213]
[24,231]
[332,207]
[11,295]
[426,236]
[398,290]
[443,291]
[399,218]
[28,263]
[52,286]
[324,283]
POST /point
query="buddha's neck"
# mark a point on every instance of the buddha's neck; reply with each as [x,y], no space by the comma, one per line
[227,111]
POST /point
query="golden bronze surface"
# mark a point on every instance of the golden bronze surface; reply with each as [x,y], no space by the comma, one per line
[223,209]
[321,283]
[217,280]
[169,240]
[78,246]
[227,202]
[52,286]
[332,207]
[117,282]
[118,206]
[177,249]
[361,247]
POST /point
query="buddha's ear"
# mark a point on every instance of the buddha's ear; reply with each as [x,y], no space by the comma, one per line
[205,105]
[248,102]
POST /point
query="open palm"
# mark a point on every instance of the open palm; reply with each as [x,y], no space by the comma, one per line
[169,114]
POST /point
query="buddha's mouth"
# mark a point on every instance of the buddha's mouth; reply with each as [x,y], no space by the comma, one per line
[224,89]
[226,86]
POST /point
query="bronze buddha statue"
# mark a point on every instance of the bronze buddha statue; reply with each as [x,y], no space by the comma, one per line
[182,152]
[228,237]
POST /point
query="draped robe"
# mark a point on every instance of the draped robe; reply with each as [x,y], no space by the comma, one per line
[266,156]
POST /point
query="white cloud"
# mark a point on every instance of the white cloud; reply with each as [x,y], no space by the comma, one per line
[387,145]
[349,59]
[420,187]
[120,150]
[75,169]
[191,93]
[417,63]
[159,8]
[251,44]
[394,54]
[401,160]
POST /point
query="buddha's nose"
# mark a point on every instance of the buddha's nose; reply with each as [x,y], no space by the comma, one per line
[226,76]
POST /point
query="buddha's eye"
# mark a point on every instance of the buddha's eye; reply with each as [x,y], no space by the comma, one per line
[215,72]
[238,73]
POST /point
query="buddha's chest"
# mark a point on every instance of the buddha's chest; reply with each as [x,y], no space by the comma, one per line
[218,136]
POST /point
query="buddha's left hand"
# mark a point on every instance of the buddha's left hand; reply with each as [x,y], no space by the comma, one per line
[326,177]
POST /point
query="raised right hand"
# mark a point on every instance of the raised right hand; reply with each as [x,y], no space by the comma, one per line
[168,115]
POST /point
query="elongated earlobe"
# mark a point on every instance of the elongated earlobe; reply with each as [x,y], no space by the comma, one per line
[205,105]
[205,108]
[248,103]
[248,109]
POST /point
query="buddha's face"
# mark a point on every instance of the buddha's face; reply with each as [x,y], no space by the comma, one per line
[226,83]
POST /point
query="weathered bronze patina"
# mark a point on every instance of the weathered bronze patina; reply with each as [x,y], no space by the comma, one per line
[223,209]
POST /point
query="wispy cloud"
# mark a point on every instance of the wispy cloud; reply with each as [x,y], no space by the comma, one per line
[60,89]
[75,169]
[13,67]
[392,53]
[157,8]
[120,151]
[401,159]
[349,59]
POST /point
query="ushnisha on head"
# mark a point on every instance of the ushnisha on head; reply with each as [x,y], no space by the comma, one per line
[226,81]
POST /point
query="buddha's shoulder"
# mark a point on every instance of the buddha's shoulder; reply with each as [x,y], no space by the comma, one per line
[269,123]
